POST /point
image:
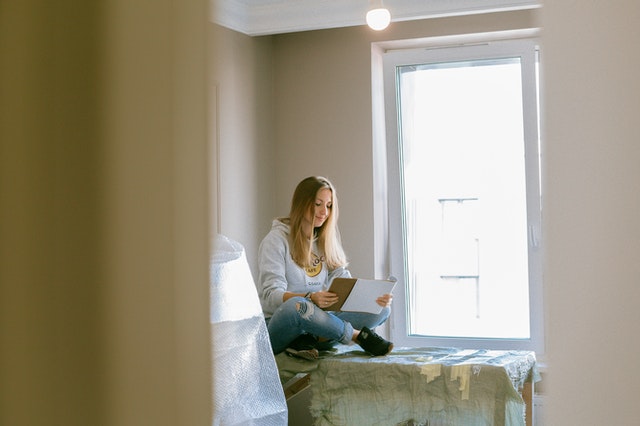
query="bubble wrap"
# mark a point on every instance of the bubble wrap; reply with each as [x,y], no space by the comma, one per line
[246,384]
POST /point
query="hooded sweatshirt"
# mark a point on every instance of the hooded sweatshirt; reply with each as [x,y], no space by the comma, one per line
[278,272]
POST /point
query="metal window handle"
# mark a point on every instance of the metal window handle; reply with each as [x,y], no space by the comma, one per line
[533,239]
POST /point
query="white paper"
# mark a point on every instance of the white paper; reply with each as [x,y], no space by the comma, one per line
[364,294]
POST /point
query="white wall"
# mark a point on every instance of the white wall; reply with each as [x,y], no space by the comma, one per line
[591,159]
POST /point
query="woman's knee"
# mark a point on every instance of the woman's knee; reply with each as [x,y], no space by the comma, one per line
[385,313]
[298,306]
[382,316]
[370,320]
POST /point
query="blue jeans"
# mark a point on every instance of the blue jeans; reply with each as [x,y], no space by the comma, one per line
[299,316]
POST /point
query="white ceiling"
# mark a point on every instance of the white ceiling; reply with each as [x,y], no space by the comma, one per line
[263,17]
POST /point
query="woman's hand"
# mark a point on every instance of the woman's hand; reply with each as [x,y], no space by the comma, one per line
[384,300]
[324,299]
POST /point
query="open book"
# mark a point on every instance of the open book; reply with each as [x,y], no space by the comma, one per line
[359,295]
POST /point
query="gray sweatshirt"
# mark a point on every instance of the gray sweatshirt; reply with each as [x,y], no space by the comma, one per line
[279,273]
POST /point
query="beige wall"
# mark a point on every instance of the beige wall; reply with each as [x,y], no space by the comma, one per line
[590,158]
[241,89]
[51,330]
[294,105]
[103,214]
[592,204]
[323,114]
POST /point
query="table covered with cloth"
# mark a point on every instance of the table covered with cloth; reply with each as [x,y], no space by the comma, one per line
[417,386]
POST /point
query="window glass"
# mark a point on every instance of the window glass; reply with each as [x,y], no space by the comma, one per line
[468,195]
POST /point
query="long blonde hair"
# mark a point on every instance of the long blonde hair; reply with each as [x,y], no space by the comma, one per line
[327,236]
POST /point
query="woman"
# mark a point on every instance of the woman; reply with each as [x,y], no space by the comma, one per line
[298,259]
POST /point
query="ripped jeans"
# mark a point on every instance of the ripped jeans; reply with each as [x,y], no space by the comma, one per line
[298,316]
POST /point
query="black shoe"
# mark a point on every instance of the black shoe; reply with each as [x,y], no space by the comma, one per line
[304,341]
[372,343]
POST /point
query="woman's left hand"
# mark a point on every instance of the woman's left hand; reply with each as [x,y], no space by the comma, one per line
[384,300]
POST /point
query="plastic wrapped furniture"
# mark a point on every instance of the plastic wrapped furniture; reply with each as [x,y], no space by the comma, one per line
[246,385]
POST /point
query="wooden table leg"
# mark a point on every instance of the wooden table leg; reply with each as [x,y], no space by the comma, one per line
[527,395]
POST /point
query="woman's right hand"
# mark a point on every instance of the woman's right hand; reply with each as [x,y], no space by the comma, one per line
[324,299]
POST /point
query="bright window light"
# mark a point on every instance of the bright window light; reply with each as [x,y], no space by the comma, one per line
[465,196]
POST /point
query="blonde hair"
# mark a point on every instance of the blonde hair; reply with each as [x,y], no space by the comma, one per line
[327,236]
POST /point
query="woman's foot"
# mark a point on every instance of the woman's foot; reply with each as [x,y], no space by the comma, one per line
[373,343]
[304,346]
[308,354]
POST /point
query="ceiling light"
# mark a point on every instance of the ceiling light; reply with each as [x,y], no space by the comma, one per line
[378,18]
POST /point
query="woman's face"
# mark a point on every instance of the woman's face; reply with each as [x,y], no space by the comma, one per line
[322,207]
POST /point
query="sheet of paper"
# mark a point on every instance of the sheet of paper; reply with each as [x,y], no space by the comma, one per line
[364,294]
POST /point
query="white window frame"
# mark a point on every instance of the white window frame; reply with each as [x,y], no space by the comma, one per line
[389,223]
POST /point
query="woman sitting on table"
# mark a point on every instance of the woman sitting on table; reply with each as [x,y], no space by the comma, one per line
[298,259]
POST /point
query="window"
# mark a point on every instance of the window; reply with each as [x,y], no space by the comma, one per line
[464,195]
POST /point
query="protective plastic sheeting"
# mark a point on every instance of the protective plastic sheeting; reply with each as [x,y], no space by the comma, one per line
[246,386]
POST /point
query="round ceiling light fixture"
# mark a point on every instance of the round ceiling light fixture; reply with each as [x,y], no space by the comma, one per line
[378,18]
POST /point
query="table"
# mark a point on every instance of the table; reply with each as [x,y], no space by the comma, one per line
[419,386]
